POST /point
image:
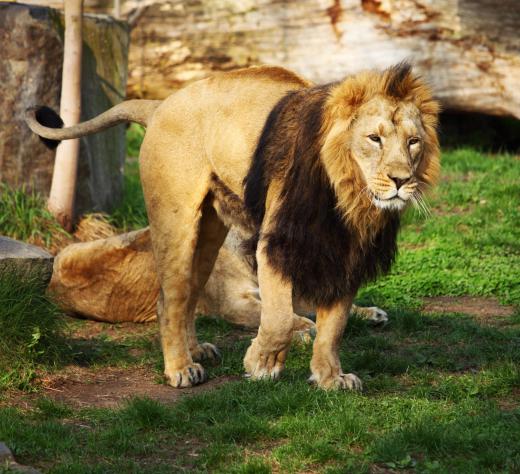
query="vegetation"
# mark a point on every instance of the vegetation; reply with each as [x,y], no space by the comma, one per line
[32,331]
[442,390]
[471,243]
[24,216]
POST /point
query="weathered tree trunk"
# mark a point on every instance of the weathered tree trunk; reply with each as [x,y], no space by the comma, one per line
[469,50]
[63,188]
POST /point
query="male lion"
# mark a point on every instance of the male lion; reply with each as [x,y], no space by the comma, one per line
[314,176]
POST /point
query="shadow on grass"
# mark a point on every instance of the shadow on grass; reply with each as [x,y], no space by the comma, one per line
[431,403]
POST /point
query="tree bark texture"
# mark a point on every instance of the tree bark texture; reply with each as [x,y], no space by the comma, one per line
[31,59]
[63,187]
[469,50]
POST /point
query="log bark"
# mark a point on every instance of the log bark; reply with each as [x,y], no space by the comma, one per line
[31,59]
[63,188]
[469,50]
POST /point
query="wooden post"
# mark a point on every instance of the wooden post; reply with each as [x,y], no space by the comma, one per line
[117,9]
[63,187]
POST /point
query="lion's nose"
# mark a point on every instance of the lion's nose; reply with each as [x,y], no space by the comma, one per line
[399,181]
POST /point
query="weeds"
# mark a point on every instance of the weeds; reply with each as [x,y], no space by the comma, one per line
[32,331]
[24,216]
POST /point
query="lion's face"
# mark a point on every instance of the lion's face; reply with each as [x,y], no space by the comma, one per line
[387,142]
[380,148]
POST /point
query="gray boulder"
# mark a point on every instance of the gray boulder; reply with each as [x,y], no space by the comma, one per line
[8,463]
[25,260]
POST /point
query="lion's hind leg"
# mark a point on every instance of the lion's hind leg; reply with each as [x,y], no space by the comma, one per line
[212,233]
[174,247]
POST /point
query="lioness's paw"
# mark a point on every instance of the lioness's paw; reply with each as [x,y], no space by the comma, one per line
[377,315]
[205,351]
[373,314]
[262,364]
[304,330]
[192,374]
[338,382]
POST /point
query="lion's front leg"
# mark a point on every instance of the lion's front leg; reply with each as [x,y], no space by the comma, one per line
[266,355]
[325,364]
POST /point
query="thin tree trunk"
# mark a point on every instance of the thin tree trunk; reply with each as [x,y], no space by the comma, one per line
[63,188]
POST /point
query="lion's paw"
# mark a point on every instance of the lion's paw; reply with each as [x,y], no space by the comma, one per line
[192,374]
[205,351]
[263,364]
[338,382]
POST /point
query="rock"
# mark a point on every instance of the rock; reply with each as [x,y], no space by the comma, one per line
[27,261]
[114,280]
[8,462]
[30,73]
[6,455]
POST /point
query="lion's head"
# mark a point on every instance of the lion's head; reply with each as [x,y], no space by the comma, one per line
[380,146]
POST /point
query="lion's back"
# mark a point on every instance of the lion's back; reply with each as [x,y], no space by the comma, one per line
[227,113]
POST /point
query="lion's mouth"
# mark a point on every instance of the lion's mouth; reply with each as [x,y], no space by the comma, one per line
[396,202]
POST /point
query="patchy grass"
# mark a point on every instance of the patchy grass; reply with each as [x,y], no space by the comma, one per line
[32,331]
[471,243]
[435,387]
[442,391]
[24,216]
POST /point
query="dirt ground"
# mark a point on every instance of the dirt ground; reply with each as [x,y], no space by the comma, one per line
[109,387]
[479,307]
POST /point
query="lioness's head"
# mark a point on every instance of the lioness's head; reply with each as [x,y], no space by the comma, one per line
[381,140]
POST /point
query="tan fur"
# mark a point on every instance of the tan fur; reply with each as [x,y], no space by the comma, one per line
[211,128]
[364,94]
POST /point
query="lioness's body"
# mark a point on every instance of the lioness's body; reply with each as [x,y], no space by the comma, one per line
[316,176]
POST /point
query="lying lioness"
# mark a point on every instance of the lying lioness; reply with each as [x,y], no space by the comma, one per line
[314,176]
[112,279]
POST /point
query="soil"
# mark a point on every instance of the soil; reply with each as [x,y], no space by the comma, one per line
[479,307]
[110,387]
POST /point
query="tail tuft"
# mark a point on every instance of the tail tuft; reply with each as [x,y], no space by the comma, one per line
[48,118]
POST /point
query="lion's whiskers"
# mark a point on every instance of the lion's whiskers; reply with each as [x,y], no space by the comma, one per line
[420,204]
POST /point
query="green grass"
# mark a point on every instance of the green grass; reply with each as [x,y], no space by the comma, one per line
[32,331]
[24,216]
[471,243]
[441,396]
[442,391]
[131,214]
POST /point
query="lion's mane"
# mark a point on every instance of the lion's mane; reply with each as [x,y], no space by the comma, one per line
[326,236]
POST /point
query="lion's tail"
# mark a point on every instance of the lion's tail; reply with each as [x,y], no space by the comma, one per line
[48,124]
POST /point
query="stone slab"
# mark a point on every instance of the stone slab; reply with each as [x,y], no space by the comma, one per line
[26,260]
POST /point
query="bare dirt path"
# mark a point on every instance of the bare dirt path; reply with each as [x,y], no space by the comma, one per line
[479,307]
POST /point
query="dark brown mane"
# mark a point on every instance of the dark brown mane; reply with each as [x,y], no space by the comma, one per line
[308,240]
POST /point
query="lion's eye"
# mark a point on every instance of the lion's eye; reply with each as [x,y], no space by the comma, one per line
[375,138]
[413,141]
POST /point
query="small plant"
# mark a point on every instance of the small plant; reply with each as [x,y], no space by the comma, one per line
[134,138]
[32,331]
[131,214]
